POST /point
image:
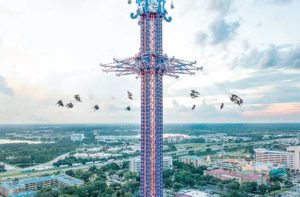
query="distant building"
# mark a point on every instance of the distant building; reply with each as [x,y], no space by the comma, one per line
[268,156]
[191,193]
[99,155]
[258,167]
[135,163]
[293,161]
[237,175]
[288,140]
[2,167]
[194,160]
[77,137]
[116,138]
[174,138]
[30,186]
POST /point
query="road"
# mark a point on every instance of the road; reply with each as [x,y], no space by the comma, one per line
[48,164]
[9,167]
[202,146]
[19,174]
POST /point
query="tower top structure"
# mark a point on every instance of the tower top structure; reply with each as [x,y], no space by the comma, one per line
[151,6]
[169,66]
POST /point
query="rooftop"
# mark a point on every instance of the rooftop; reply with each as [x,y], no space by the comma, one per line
[228,174]
[69,180]
[191,157]
[293,148]
[263,150]
[24,194]
[21,183]
[191,193]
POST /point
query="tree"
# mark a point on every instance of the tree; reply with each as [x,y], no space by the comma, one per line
[70,173]
[125,165]
[249,187]
[115,186]
[177,186]
[185,178]
[236,194]
[172,147]
[220,186]
[168,182]
[168,173]
[288,184]
[100,185]
[93,169]
[191,152]
[233,185]
[48,192]
[130,175]
[275,186]
[263,189]
[249,149]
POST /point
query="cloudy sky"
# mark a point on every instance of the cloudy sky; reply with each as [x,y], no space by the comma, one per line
[51,49]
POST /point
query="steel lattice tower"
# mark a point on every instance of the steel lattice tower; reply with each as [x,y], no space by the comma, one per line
[150,64]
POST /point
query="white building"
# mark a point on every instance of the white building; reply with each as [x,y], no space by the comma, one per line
[191,193]
[99,155]
[267,156]
[135,163]
[77,137]
[260,167]
[194,160]
[292,141]
[293,161]
[174,138]
[30,186]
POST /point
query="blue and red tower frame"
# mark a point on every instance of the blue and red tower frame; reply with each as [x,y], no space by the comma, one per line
[150,64]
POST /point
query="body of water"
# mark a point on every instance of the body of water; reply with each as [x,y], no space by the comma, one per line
[8,141]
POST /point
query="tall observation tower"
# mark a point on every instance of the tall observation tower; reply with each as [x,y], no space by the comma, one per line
[151,64]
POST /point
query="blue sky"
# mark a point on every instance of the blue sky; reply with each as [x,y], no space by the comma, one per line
[51,49]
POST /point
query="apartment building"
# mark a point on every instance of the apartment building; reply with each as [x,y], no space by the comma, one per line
[240,176]
[30,186]
[267,156]
[293,160]
[194,160]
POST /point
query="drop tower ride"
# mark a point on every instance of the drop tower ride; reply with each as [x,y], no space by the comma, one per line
[151,64]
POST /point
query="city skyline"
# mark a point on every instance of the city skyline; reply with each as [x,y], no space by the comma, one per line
[52,49]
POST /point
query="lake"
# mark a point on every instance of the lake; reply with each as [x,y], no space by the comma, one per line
[7,141]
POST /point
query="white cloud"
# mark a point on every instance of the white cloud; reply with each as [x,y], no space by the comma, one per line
[285,56]
[51,50]
[4,88]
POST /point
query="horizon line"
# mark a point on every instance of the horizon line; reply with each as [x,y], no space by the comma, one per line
[169,123]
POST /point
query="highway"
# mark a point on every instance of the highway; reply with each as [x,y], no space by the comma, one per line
[48,164]
[21,174]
